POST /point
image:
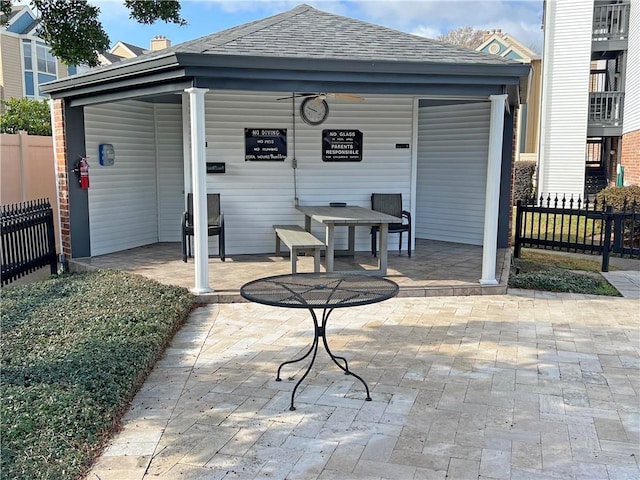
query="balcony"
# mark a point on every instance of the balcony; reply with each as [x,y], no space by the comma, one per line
[605,113]
[610,26]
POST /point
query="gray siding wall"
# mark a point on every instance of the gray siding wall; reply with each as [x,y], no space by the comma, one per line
[123,199]
[256,195]
[168,135]
[453,142]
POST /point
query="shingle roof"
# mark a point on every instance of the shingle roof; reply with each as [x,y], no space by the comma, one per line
[303,48]
[134,48]
[305,32]
[112,57]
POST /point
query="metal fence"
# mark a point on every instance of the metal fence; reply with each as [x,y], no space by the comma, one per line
[28,241]
[578,226]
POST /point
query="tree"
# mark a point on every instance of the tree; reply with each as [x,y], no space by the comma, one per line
[72,29]
[464,37]
[32,116]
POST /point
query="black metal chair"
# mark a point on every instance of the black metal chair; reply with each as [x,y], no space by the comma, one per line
[391,204]
[215,224]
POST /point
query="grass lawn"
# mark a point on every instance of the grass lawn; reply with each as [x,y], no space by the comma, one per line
[75,349]
[560,227]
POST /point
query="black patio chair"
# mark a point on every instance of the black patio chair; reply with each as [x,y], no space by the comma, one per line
[215,224]
[391,204]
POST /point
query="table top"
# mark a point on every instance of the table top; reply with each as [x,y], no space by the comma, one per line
[348,214]
[319,290]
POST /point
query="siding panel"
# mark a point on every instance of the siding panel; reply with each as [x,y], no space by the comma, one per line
[123,210]
[453,143]
[565,94]
[168,132]
[11,67]
[632,77]
[256,195]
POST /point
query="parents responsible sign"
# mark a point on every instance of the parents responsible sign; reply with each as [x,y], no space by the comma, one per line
[341,145]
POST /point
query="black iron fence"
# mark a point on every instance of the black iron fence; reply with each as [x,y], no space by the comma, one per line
[578,226]
[28,242]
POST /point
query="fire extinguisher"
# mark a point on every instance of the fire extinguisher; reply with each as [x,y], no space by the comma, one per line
[82,172]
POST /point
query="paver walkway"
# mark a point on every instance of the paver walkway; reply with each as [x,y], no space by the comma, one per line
[487,387]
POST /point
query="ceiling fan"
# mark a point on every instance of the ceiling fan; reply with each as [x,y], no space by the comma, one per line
[319,97]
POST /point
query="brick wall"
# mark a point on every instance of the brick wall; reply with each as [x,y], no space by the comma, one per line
[62,175]
[631,157]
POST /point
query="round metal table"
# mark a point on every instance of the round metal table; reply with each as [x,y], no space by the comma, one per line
[321,291]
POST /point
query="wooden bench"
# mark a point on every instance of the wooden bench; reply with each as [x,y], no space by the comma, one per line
[298,240]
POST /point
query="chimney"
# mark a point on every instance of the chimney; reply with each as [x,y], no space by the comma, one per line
[159,42]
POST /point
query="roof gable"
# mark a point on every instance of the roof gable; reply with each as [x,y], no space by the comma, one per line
[22,21]
[507,46]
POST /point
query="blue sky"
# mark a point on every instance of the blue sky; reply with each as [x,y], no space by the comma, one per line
[520,18]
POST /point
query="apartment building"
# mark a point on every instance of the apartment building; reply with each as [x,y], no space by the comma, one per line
[25,59]
[590,108]
[497,42]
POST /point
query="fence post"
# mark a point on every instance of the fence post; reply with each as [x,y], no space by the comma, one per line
[51,242]
[517,244]
[606,245]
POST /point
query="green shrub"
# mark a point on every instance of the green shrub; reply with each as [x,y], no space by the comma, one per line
[75,349]
[616,196]
[562,281]
[523,181]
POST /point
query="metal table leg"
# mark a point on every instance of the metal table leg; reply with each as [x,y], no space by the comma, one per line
[320,332]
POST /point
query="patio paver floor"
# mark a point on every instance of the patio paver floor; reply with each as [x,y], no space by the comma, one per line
[519,386]
[435,268]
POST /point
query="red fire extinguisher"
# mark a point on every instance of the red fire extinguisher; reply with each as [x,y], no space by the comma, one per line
[82,172]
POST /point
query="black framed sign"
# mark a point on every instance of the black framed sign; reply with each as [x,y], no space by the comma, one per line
[341,145]
[265,144]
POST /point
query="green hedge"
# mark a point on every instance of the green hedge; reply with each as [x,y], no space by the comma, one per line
[75,349]
[562,281]
[523,181]
[616,196]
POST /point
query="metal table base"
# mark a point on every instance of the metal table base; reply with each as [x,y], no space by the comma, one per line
[320,333]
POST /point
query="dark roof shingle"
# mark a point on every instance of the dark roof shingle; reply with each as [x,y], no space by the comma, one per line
[305,32]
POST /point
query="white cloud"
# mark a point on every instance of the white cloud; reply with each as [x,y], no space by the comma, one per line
[520,18]
[429,18]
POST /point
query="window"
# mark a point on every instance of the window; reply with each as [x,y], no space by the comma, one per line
[26,45]
[40,66]
[46,61]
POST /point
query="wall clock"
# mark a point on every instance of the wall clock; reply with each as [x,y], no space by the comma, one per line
[314,110]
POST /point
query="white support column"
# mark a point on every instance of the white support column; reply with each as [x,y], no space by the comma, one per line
[186,147]
[199,177]
[492,198]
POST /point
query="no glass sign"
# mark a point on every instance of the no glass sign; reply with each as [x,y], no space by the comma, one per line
[341,146]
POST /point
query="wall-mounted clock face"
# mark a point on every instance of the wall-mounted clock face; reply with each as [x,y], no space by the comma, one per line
[314,112]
